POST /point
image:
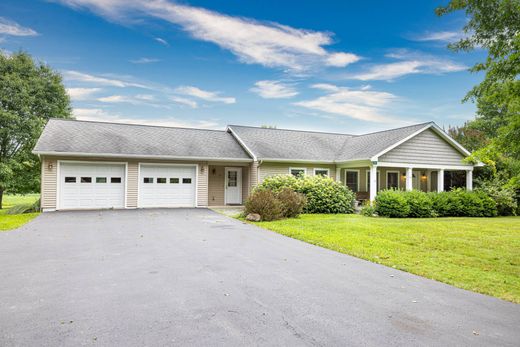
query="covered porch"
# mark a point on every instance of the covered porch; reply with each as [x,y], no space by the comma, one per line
[368,178]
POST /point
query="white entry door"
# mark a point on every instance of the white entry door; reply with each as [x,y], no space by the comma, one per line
[233,185]
[167,185]
[91,185]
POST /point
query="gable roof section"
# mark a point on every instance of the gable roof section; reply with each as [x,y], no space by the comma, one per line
[87,138]
[289,145]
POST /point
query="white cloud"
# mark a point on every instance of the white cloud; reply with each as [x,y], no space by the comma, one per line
[162,41]
[443,36]
[273,90]
[145,61]
[145,97]
[410,63]
[371,106]
[253,42]
[204,94]
[81,93]
[83,77]
[9,27]
[100,115]
[184,101]
[139,99]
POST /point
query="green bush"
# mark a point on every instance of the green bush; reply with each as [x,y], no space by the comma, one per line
[324,195]
[420,203]
[504,196]
[25,208]
[292,203]
[392,203]
[368,209]
[265,203]
[461,203]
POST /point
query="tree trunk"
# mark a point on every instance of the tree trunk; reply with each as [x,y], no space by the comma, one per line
[1,198]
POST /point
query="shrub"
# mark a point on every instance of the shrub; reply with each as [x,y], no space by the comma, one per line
[420,203]
[368,209]
[324,195]
[292,203]
[461,203]
[265,203]
[392,203]
[25,208]
[505,197]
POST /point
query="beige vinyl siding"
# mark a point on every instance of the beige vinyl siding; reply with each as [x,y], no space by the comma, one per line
[132,178]
[216,184]
[253,177]
[49,178]
[425,148]
[48,183]
[272,169]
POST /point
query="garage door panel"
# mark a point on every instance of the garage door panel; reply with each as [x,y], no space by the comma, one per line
[167,186]
[88,185]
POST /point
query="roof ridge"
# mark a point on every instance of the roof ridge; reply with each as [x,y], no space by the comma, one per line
[392,129]
[132,124]
[295,130]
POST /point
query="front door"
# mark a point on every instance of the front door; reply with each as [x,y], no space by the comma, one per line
[233,186]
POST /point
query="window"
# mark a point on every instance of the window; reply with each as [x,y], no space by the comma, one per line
[101,180]
[161,180]
[232,178]
[148,180]
[321,172]
[174,180]
[368,181]
[352,180]
[86,179]
[70,179]
[296,172]
[392,179]
[115,180]
[186,180]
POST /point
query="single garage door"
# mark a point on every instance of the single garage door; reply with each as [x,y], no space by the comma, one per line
[88,185]
[167,185]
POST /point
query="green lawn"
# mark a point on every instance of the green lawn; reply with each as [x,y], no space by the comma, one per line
[9,222]
[479,254]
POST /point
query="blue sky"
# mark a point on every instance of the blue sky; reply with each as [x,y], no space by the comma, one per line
[342,66]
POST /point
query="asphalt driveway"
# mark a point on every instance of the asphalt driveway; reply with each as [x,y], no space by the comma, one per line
[193,277]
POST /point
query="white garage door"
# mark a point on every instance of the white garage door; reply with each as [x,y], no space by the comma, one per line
[84,185]
[167,186]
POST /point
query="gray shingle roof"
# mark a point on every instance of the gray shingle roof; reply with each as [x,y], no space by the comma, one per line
[280,144]
[283,144]
[70,136]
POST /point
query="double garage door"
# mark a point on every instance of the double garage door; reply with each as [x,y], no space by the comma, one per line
[100,185]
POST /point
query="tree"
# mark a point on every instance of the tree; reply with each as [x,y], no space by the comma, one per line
[30,93]
[494,25]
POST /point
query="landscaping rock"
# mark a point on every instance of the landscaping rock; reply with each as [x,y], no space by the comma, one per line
[253,217]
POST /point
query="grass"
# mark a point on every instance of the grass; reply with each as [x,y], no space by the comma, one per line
[478,254]
[10,222]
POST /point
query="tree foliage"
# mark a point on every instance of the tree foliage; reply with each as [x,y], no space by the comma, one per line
[494,135]
[30,93]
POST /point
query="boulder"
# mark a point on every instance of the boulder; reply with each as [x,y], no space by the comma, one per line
[253,217]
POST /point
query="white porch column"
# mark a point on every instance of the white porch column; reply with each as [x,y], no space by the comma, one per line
[373,183]
[409,179]
[338,174]
[469,180]
[440,180]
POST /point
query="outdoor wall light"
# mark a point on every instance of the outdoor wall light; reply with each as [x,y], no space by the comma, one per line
[50,166]
[213,171]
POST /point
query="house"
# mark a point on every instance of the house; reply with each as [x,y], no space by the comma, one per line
[89,165]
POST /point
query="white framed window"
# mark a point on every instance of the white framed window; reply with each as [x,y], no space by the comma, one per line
[352,180]
[297,171]
[378,181]
[321,172]
[393,179]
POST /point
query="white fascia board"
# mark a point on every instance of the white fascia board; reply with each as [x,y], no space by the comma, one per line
[425,166]
[448,138]
[136,156]
[242,143]
[303,161]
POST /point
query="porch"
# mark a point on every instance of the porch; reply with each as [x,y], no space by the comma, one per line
[367,180]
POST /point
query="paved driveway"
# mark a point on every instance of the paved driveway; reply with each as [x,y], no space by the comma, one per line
[193,277]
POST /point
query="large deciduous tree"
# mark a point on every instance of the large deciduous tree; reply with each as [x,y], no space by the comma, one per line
[493,25]
[30,94]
